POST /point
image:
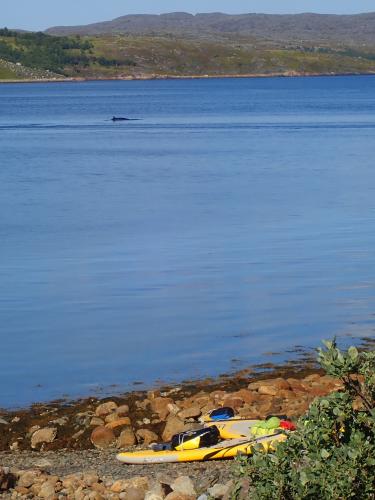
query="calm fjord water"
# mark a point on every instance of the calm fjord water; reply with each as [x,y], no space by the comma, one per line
[235,217]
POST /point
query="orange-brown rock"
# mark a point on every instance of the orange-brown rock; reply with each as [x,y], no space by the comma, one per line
[208,407]
[296,385]
[146,436]
[247,396]
[96,421]
[271,387]
[112,417]
[153,394]
[105,409]
[28,478]
[311,378]
[47,490]
[268,390]
[318,391]
[234,402]
[286,394]
[218,395]
[159,405]
[175,495]
[102,437]
[192,412]
[21,490]
[139,483]
[201,401]
[184,485]
[119,422]
[122,410]
[173,426]
[126,438]
[248,411]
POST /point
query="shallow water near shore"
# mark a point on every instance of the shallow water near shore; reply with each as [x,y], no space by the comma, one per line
[235,218]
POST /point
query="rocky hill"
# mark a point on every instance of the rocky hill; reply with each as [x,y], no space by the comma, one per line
[346,29]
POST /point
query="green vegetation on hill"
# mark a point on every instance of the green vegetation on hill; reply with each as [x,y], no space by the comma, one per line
[136,56]
[6,73]
[64,55]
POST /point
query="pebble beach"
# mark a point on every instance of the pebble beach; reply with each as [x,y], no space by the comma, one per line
[67,449]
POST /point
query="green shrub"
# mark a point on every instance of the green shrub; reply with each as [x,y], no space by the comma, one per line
[331,455]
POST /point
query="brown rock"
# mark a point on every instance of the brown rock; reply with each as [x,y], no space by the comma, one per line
[105,409]
[119,422]
[47,490]
[126,438]
[138,483]
[268,390]
[94,495]
[98,487]
[176,495]
[46,435]
[72,482]
[272,386]
[234,402]
[33,429]
[142,405]
[102,437]
[159,491]
[21,490]
[173,409]
[286,394]
[184,485]
[111,418]
[202,401]
[218,396]
[312,378]
[134,494]
[153,394]
[208,407]
[120,486]
[146,436]
[296,385]
[90,478]
[173,426]
[248,411]
[254,386]
[29,477]
[318,391]
[264,407]
[220,490]
[246,395]
[96,421]
[193,412]
[122,410]
[159,405]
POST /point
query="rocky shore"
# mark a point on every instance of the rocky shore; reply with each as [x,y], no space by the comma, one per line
[67,449]
[45,78]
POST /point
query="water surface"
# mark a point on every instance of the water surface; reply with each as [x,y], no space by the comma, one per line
[236,217]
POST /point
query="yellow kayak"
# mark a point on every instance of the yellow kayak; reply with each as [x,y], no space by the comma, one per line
[229,448]
[234,428]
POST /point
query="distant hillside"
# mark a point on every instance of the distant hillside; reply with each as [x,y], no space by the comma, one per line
[349,29]
[175,45]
